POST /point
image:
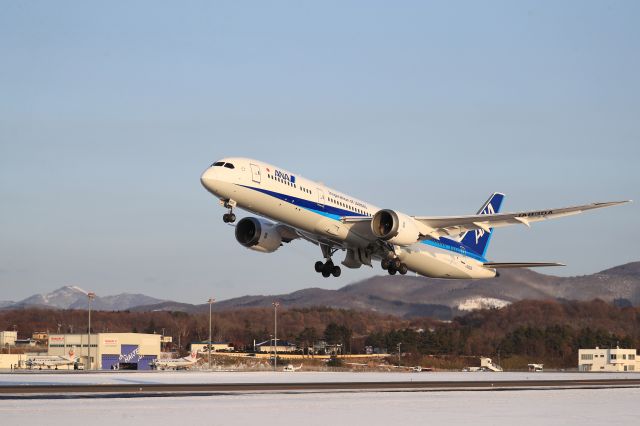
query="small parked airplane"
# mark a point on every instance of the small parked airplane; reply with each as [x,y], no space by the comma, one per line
[291,368]
[51,361]
[176,364]
[438,247]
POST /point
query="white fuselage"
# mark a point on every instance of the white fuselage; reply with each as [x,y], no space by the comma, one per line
[49,361]
[174,363]
[314,210]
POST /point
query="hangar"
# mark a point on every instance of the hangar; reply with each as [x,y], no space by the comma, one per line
[109,351]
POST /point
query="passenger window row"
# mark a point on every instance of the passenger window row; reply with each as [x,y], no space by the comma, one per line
[346,206]
[286,182]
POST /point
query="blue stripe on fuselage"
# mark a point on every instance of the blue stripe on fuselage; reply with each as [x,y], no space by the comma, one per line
[336,213]
[324,210]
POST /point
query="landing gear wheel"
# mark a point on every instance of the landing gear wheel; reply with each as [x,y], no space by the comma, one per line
[229,217]
[326,274]
[396,264]
[319,265]
[327,267]
[403,269]
[392,270]
[336,271]
[385,264]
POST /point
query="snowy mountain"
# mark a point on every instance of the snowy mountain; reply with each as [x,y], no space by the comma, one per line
[410,296]
[61,298]
[72,297]
[402,296]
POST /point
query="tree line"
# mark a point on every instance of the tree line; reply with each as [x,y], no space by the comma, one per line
[537,331]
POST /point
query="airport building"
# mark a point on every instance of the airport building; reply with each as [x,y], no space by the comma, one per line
[109,351]
[216,346]
[614,359]
[8,338]
[281,346]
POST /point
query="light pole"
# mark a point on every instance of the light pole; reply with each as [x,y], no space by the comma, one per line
[210,302]
[399,364]
[15,329]
[275,334]
[90,297]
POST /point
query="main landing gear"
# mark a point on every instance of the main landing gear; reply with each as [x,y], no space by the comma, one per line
[328,268]
[229,217]
[392,266]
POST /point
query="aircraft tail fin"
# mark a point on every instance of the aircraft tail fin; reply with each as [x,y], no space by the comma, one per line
[478,240]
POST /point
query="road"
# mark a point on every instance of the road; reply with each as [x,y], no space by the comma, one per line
[58,391]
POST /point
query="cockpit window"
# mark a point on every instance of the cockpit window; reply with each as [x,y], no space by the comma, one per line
[229,166]
[218,164]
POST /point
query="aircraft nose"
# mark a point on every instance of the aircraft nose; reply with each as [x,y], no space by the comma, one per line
[208,179]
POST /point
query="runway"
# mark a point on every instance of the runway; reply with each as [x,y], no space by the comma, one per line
[133,390]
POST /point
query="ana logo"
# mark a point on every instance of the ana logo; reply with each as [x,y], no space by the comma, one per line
[480,232]
[285,176]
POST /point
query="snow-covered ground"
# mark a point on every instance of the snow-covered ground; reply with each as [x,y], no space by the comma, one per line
[536,407]
[478,302]
[187,377]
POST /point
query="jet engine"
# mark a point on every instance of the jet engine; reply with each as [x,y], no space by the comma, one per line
[258,234]
[395,227]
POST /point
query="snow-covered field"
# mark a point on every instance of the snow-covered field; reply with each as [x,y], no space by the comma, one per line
[535,407]
[188,377]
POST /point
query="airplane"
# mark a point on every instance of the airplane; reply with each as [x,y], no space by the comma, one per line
[51,361]
[292,207]
[291,368]
[176,364]
[414,369]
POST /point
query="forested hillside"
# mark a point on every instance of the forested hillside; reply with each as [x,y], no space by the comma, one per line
[526,331]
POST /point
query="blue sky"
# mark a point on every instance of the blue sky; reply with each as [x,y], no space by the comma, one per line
[110,111]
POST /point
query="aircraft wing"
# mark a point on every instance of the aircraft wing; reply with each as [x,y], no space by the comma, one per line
[440,226]
[287,232]
[453,225]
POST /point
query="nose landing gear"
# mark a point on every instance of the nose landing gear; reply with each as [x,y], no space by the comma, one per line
[229,217]
[393,266]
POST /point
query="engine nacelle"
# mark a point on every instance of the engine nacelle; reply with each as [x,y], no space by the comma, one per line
[258,234]
[395,227]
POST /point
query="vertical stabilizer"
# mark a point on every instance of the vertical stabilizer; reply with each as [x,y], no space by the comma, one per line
[477,241]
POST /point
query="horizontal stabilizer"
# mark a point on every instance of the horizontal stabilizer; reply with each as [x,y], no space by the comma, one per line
[502,265]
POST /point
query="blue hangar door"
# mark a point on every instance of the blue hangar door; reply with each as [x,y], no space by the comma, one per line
[110,362]
[129,356]
[129,359]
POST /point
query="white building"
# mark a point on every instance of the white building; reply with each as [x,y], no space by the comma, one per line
[614,359]
[8,338]
[216,346]
[124,351]
[281,346]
